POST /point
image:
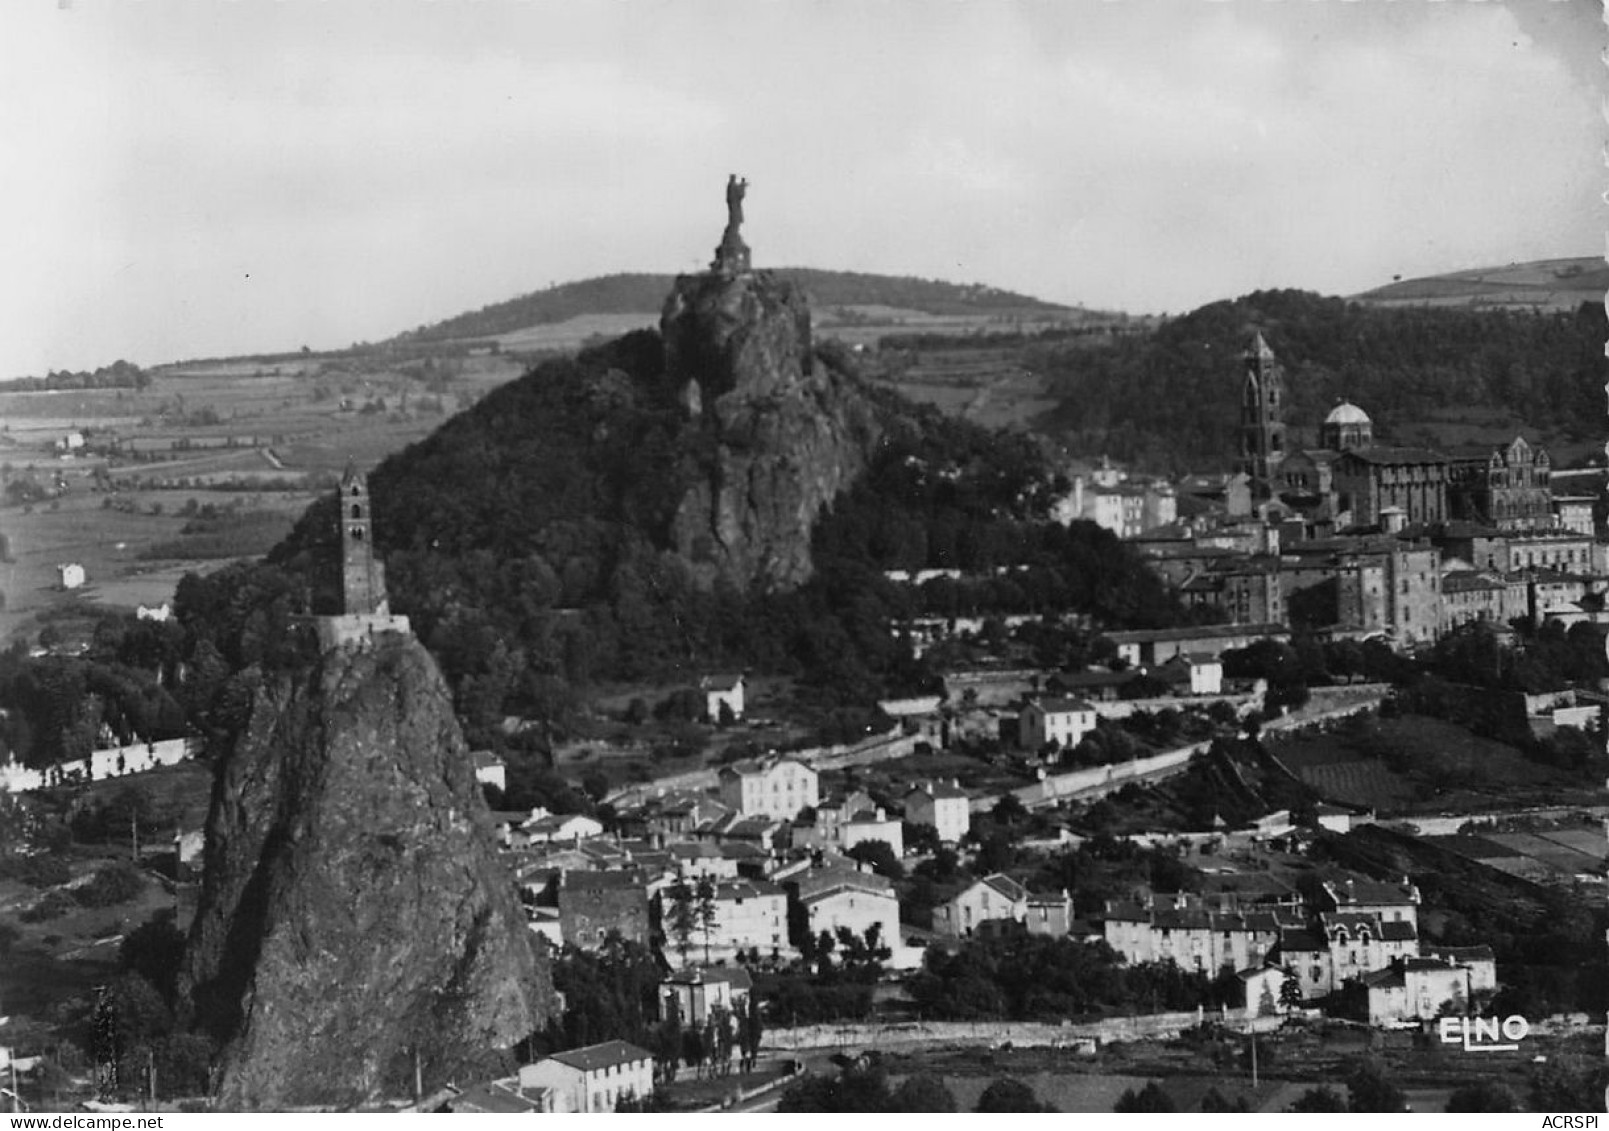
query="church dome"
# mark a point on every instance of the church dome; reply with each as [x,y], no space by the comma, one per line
[1347,413]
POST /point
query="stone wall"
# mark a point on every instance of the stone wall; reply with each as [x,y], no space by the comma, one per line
[112,762]
[1026,1034]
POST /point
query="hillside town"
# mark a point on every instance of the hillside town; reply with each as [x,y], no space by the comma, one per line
[767,863]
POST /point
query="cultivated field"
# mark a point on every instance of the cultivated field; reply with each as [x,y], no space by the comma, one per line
[254,439]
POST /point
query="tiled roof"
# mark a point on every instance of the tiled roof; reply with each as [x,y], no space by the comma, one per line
[1392,455]
[709,975]
[1462,953]
[1006,886]
[1203,632]
[1058,705]
[495,1098]
[746,889]
[606,1055]
[937,790]
[1301,940]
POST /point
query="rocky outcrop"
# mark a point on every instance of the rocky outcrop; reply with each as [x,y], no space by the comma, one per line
[779,435]
[355,925]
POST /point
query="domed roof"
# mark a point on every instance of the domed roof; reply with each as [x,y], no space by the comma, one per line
[1347,413]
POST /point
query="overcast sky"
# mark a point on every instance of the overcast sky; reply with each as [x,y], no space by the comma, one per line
[192,179]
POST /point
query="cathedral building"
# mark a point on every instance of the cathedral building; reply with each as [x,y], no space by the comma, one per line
[1508,488]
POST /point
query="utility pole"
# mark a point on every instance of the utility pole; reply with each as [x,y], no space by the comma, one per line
[1254,1060]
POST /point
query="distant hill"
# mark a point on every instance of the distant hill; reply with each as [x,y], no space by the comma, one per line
[1169,400]
[1545,285]
[876,296]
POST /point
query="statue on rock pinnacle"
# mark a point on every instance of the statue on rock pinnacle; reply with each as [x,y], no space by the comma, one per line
[732,256]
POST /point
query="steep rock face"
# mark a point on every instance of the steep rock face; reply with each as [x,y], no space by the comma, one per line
[779,433]
[354,919]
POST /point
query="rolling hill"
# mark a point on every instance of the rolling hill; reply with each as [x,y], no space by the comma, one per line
[1544,285]
[614,303]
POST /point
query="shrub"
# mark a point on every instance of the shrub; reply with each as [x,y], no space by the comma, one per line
[114,884]
[54,905]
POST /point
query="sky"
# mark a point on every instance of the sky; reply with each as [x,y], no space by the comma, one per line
[191,179]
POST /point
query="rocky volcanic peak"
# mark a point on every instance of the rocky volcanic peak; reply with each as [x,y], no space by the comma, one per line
[354,918]
[784,434]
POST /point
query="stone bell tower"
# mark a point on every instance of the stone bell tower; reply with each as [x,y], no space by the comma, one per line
[362,575]
[1262,419]
[365,607]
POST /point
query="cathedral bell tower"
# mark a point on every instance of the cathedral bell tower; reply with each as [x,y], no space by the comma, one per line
[1262,425]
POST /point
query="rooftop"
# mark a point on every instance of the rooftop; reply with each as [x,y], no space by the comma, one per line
[607,1055]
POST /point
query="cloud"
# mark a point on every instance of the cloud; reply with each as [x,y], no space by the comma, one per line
[374,166]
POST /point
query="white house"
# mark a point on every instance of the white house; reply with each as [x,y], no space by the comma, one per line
[942,805]
[1418,989]
[592,1079]
[994,897]
[873,824]
[1062,721]
[1202,671]
[549,828]
[70,575]
[769,787]
[722,691]
[748,915]
[692,994]
[1261,986]
[837,897]
[489,768]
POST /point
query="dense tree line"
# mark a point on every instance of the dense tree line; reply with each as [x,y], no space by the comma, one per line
[1027,977]
[1170,400]
[118,375]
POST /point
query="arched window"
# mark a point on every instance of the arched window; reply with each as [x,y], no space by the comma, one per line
[357,533]
[357,511]
[356,491]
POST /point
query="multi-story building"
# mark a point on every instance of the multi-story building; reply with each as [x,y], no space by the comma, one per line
[591,1079]
[1194,934]
[1063,722]
[1393,902]
[996,896]
[943,805]
[873,824]
[749,915]
[769,787]
[1420,989]
[1469,596]
[997,899]
[831,898]
[593,904]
